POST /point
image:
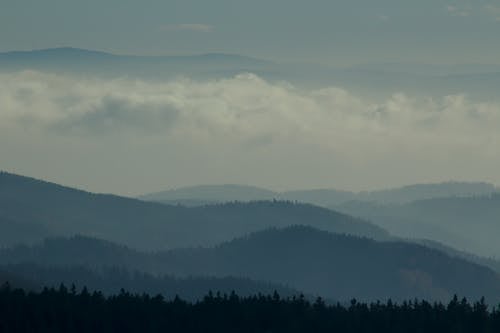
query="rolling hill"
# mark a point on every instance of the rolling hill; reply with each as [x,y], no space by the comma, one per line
[321,197]
[340,266]
[47,210]
[466,223]
[302,258]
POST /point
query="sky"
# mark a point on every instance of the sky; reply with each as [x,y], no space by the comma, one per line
[134,136]
[336,32]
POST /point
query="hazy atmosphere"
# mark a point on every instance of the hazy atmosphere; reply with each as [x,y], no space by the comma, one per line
[250,166]
[330,32]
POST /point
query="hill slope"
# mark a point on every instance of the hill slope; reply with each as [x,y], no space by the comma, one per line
[46,209]
[339,266]
[466,223]
[315,262]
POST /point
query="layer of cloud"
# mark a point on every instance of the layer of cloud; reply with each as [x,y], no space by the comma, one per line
[226,125]
[244,105]
[455,11]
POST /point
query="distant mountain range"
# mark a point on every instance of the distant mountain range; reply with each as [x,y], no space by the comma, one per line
[81,61]
[372,79]
[31,210]
[255,245]
[460,214]
[83,55]
[315,262]
[321,197]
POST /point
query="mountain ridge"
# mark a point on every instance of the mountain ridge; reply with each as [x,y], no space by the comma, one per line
[303,258]
[323,197]
[63,211]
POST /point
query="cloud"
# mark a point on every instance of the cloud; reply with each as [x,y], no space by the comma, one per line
[242,129]
[194,27]
[245,106]
[455,11]
[493,11]
[115,112]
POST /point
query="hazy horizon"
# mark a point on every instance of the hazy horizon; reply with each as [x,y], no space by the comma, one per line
[336,32]
[168,188]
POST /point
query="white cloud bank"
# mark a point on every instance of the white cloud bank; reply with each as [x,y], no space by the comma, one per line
[131,136]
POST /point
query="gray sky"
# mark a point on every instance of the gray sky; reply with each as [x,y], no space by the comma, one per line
[327,31]
[132,136]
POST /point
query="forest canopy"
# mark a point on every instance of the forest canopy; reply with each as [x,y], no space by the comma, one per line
[66,309]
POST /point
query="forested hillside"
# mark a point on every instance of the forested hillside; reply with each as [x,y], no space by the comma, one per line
[315,262]
[340,266]
[111,279]
[63,310]
[45,209]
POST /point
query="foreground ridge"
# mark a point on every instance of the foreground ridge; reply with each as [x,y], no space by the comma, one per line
[64,310]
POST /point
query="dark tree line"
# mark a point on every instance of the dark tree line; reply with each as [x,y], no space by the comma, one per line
[109,280]
[69,310]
